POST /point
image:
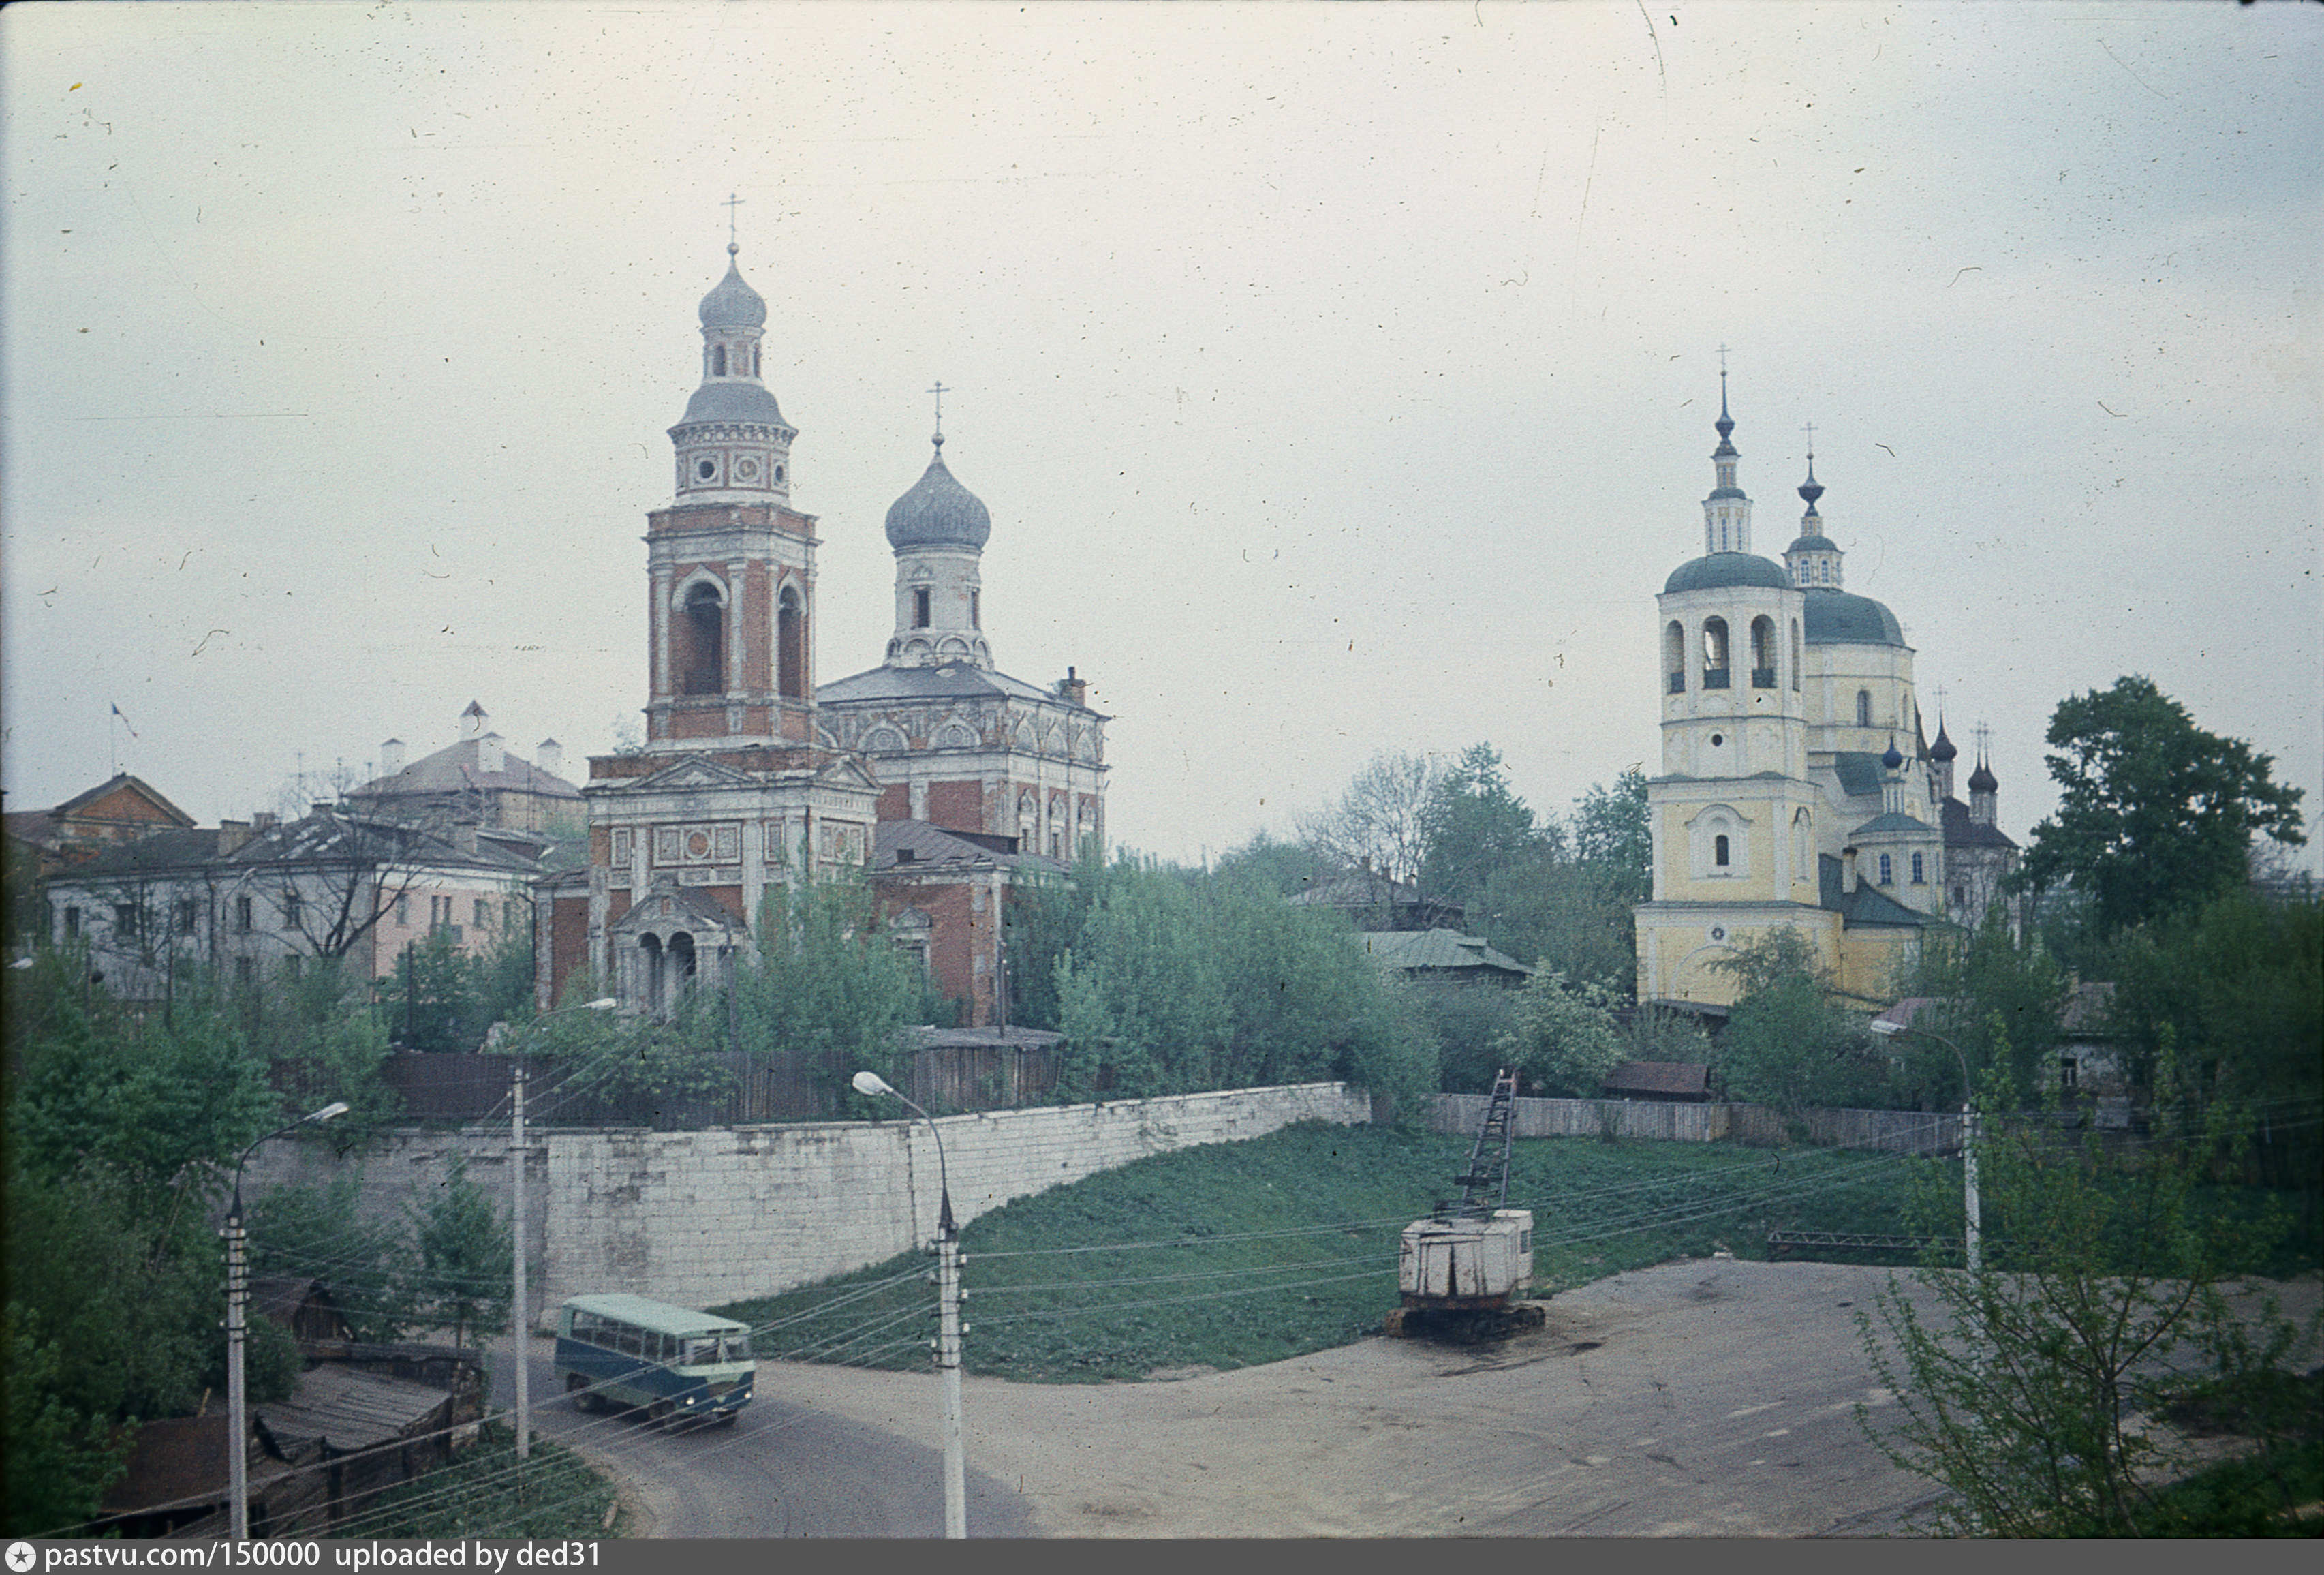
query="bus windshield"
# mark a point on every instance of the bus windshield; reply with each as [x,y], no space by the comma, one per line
[709,1349]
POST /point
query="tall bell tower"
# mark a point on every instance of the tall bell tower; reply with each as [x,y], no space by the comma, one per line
[730,564]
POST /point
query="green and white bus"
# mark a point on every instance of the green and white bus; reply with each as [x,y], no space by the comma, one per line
[630,1350]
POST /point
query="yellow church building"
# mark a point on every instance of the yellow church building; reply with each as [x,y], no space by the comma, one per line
[1796,788]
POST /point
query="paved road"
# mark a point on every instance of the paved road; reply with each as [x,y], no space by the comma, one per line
[780,1470]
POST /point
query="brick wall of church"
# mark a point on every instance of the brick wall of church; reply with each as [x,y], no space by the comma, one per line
[957,806]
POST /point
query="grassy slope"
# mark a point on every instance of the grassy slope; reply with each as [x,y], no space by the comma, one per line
[1286,1243]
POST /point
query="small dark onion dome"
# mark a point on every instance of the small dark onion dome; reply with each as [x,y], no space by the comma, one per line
[938,512]
[733,304]
[1720,569]
[1811,544]
[1982,780]
[1943,749]
[1894,759]
[1841,618]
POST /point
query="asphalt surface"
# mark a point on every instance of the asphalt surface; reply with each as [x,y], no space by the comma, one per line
[779,1469]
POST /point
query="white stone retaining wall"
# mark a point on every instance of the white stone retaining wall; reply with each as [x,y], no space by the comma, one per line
[710,1217]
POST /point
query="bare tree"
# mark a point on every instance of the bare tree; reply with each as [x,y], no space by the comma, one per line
[1376,823]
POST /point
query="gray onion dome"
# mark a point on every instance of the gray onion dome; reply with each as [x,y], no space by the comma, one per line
[938,512]
[733,304]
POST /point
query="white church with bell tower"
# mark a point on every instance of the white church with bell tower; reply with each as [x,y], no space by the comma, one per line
[1796,790]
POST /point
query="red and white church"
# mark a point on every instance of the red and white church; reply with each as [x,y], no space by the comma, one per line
[946,777]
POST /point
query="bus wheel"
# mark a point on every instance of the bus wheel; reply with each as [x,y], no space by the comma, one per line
[659,1412]
[578,1387]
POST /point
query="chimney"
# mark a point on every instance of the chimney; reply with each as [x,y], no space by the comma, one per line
[321,807]
[1075,689]
[472,722]
[492,754]
[233,836]
[552,757]
[391,757]
[1846,870]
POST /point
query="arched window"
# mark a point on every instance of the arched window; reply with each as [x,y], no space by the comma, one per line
[1762,653]
[1714,654]
[650,984]
[920,607]
[701,667]
[1804,843]
[718,361]
[1887,871]
[1718,850]
[975,616]
[1864,708]
[1919,875]
[790,647]
[1674,656]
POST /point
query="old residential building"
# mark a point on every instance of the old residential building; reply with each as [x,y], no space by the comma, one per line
[476,781]
[260,899]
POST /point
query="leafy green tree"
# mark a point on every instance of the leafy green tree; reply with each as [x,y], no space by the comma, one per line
[2154,814]
[830,991]
[1468,1023]
[1472,826]
[2237,988]
[1285,868]
[318,1232]
[464,1278]
[1999,1001]
[2105,1296]
[1786,1045]
[1610,833]
[1565,1040]
[61,1458]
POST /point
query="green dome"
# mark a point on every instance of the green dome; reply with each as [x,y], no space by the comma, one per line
[1720,569]
[1839,617]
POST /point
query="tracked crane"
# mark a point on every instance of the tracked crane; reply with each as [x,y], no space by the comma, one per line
[1462,1272]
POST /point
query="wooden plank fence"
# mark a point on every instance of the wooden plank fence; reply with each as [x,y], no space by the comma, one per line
[1914,1132]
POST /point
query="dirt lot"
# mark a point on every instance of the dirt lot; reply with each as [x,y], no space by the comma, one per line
[1709,1398]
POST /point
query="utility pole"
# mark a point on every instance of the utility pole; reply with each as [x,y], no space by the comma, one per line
[948,1333]
[520,1323]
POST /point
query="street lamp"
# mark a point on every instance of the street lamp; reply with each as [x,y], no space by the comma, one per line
[1889,1028]
[237,1297]
[521,1317]
[948,1325]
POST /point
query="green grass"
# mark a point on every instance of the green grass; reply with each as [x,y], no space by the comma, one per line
[483,1493]
[1255,1252]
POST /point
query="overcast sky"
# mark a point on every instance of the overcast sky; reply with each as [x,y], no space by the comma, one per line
[1339,378]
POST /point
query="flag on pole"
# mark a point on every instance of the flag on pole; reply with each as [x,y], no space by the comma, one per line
[124,722]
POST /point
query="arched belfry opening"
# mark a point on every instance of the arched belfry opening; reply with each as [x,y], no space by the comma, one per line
[701,645]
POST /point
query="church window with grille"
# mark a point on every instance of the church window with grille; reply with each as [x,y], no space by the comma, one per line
[1718,850]
[1887,871]
[1920,872]
[920,607]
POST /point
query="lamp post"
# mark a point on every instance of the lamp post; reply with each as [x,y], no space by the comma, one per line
[1888,1028]
[949,1328]
[237,1297]
[520,1318]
